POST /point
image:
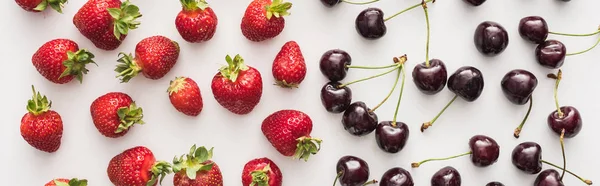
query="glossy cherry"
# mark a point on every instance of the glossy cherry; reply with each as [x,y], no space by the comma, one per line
[430,80]
[396,177]
[466,82]
[391,137]
[334,98]
[334,64]
[494,184]
[548,177]
[533,29]
[518,85]
[571,121]
[447,176]
[551,54]
[490,38]
[330,3]
[352,171]
[358,120]
[370,23]
[485,150]
[475,2]
[527,157]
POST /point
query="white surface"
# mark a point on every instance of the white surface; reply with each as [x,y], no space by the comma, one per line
[237,139]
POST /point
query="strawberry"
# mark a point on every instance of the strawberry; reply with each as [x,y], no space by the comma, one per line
[289,68]
[137,167]
[61,60]
[185,96]
[154,57]
[196,169]
[261,172]
[41,127]
[289,132]
[106,22]
[41,5]
[264,20]
[114,113]
[196,22]
[67,182]
[237,87]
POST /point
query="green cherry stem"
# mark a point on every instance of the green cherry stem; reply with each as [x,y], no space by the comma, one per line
[562,147]
[588,182]
[400,96]
[367,78]
[520,127]
[370,182]
[558,77]
[366,67]
[359,3]
[407,9]
[417,164]
[390,93]
[428,33]
[586,50]
[430,123]
[576,35]
[337,177]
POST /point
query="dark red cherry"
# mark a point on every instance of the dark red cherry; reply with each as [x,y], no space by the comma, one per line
[370,23]
[485,150]
[475,2]
[518,85]
[466,82]
[330,3]
[490,38]
[396,177]
[430,80]
[391,137]
[548,177]
[571,121]
[533,29]
[527,157]
[494,184]
[551,54]
[447,176]
[334,64]
[335,99]
[358,120]
[352,171]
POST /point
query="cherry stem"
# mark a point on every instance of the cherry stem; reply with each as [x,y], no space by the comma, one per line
[407,9]
[518,129]
[370,182]
[390,93]
[586,50]
[399,97]
[416,165]
[375,76]
[562,147]
[359,3]
[366,67]
[428,33]
[589,182]
[430,123]
[576,35]
[337,177]
[558,78]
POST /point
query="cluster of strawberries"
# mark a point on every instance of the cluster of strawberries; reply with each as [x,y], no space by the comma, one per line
[236,86]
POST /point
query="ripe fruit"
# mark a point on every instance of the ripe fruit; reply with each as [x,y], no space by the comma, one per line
[358,119]
[115,113]
[370,24]
[197,168]
[154,57]
[61,60]
[527,157]
[475,2]
[289,68]
[490,38]
[185,96]
[430,79]
[495,183]
[551,54]
[396,177]
[106,22]
[564,119]
[263,19]
[447,176]
[334,64]
[41,5]
[41,127]
[289,132]
[484,152]
[518,85]
[196,22]
[137,167]
[334,98]
[261,172]
[548,177]
[352,171]
[237,87]
[533,29]
[391,136]
[67,182]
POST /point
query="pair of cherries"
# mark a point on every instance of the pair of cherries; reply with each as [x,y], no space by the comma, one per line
[354,171]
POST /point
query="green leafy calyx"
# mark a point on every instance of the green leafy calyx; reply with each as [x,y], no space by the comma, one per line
[285,84]
[72,182]
[176,85]
[307,146]
[76,62]
[191,5]
[261,177]
[127,67]
[233,68]
[159,170]
[125,18]
[193,162]
[38,104]
[278,9]
[55,4]
[129,116]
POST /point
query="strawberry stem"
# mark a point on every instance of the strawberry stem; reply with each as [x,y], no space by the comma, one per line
[278,8]
[125,18]
[307,146]
[159,170]
[127,67]
[233,68]
[129,116]
[261,177]
[195,161]
[38,104]
[191,5]
[76,62]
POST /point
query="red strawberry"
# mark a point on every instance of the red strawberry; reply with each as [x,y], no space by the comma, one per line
[137,167]
[196,169]
[61,60]
[264,20]
[154,57]
[289,132]
[106,22]
[196,22]
[114,113]
[41,127]
[289,68]
[41,5]
[261,172]
[185,96]
[237,87]
[67,182]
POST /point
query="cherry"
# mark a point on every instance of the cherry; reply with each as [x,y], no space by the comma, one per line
[331,3]
[447,176]
[396,177]
[352,171]
[494,184]
[518,85]
[359,120]
[484,152]
[391,137]
[370,23]
[551,54]
[334,64]
[564,119]
[475,2]
[430,79]
[548,177]
[527,157]
[533,29]
[490,38]
[334,98]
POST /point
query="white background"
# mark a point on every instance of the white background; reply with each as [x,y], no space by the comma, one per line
[237,139]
